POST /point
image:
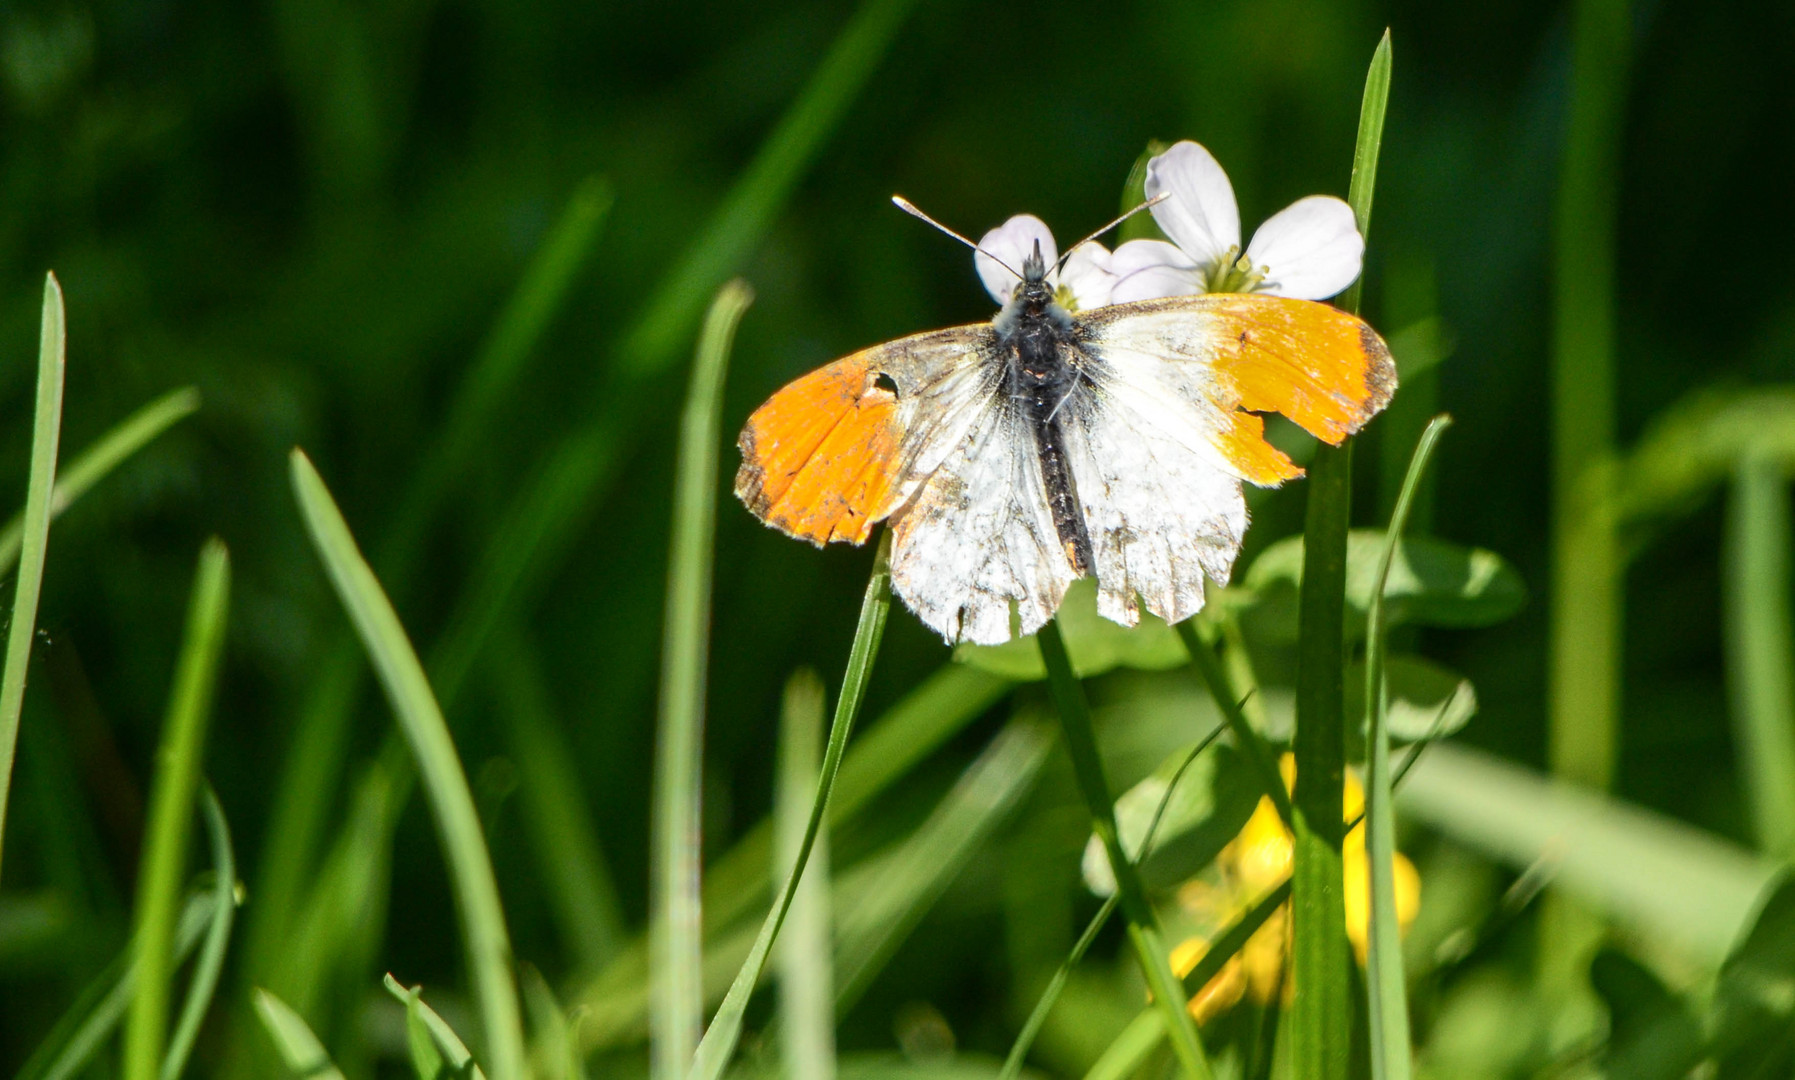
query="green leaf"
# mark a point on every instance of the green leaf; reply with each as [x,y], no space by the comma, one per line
[487,941]
[1432,583]
[1095,644]
[1651,1033]
[1207,809]
[1141,226]
[1426,701]
[171,810]
[426,1060]
[1754,1026]
[1760,644]
[675,926]
[1690,891]
[299,1049]
[46,432]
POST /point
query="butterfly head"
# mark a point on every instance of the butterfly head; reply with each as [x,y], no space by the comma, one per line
[1033,300]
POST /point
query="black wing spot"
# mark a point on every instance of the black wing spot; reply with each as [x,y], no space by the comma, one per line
[1243,337]
[883,381]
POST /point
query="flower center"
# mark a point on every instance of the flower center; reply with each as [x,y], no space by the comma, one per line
[1233,273]
[1062,295]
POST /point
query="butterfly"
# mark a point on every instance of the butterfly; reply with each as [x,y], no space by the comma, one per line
[1013,457]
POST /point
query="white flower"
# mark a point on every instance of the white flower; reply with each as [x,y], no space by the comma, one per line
[1310,250]
[1083,283]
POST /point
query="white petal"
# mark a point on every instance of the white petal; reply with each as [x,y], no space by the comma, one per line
[1088,275]
[1200,216]
[1312,246]
[1012,242]
[1150,269]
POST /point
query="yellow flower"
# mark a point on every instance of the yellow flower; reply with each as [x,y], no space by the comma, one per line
[1256,861]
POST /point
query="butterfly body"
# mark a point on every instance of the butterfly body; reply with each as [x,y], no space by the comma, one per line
[1015,456]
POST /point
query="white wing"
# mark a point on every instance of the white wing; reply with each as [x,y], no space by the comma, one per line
[978,536]
[1162,504]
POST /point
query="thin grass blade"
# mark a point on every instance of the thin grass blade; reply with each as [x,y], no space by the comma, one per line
[748,210]
[676,928]
[46,433]
[725,1031]
[454,1052]
[1143,926]
[1387,990]
[1012,1065]
[299,1049]
[458,823]
[1760,643]
[171,811]
[881,907]
[575,873]
[96,1013]
[806,974]
[310,781]
[1321,1008]
[131,434]
[210,964]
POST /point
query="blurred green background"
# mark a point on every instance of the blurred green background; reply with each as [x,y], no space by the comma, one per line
[315,212]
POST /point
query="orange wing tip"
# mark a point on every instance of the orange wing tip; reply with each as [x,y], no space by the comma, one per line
[820,459]
[1323,368]
[1258,461]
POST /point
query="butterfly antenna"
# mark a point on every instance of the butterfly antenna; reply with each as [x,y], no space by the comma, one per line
[910,208]
[1154,201]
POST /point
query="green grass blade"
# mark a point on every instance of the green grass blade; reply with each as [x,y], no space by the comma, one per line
[572,861]
[171,811]
[1365,153]
[526,317]
[749,208]
[676,926]
[806,974]
[883,905]
[1012,1065]
[1130,1049]
[1143,927]
[1387,990]
[131,434]
[46,431]
[1321,1009]
[470,865]
[1761,649]
[936,710]
[210,964]
[725,1030]
[1037,1018]
[1588,568]
[454,1052]
[299,1049]
[309,784]
[1688,891]
[84,1028]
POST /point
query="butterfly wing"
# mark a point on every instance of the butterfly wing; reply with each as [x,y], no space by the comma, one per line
[1161,439]
[916,430]
[840,449]
[979,536]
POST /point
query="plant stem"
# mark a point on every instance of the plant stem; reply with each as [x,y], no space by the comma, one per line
[1143,926]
